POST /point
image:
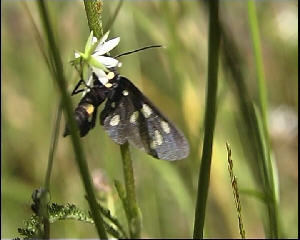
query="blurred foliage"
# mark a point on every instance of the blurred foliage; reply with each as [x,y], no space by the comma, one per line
[174,78]
[32,227]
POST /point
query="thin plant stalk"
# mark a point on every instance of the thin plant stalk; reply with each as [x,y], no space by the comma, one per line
[39,39]
[45,195]
[132,211]
[68,110]
[53,145]
[93,12]
[210,117]
[59,109]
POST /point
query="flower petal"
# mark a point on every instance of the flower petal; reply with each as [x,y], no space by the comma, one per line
[99,72]
[77,54]
[94,40]
[107,46]
[89,83]
[95,62]
[89,43]
[101,75]
[108,62]
[104,37]
[90,80]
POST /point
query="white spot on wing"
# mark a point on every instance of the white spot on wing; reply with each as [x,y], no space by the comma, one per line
[134,117]
[113,105]
[115,120]
[125,92]
[158,137]
[153,145]
[157,141]
[165,126]
[146,110]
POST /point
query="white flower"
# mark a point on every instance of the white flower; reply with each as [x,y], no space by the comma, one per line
[93,55]
[102,76]
[94,51]
[103,48]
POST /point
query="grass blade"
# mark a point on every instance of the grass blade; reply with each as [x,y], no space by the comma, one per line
[210,117]
[256,147]
[262,90]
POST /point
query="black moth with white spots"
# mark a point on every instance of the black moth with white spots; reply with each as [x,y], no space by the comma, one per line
[129,116]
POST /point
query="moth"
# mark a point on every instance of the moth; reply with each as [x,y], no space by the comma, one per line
[128,116]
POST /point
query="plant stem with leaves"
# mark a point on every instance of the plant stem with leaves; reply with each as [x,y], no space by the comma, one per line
[93,13]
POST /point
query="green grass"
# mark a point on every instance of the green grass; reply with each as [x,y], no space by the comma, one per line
[264,133]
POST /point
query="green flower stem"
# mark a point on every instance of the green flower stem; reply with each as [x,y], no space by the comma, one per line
[93,9]
[68,110]
[210,117]
[132,211]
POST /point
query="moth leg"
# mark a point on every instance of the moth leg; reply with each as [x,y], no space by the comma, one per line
[77,90]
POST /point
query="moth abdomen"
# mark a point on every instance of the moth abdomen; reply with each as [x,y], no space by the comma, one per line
[86,110]
[82,116]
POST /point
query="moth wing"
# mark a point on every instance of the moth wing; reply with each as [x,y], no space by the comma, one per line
[113,118]
[142,124]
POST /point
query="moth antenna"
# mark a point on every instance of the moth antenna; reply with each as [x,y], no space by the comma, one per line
[140,49]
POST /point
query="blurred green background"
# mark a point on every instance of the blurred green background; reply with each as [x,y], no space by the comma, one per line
[175,79]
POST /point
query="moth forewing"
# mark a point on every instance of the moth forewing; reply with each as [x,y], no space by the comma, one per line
[130,116]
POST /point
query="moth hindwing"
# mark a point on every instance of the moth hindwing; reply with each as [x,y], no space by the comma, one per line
[129,116]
